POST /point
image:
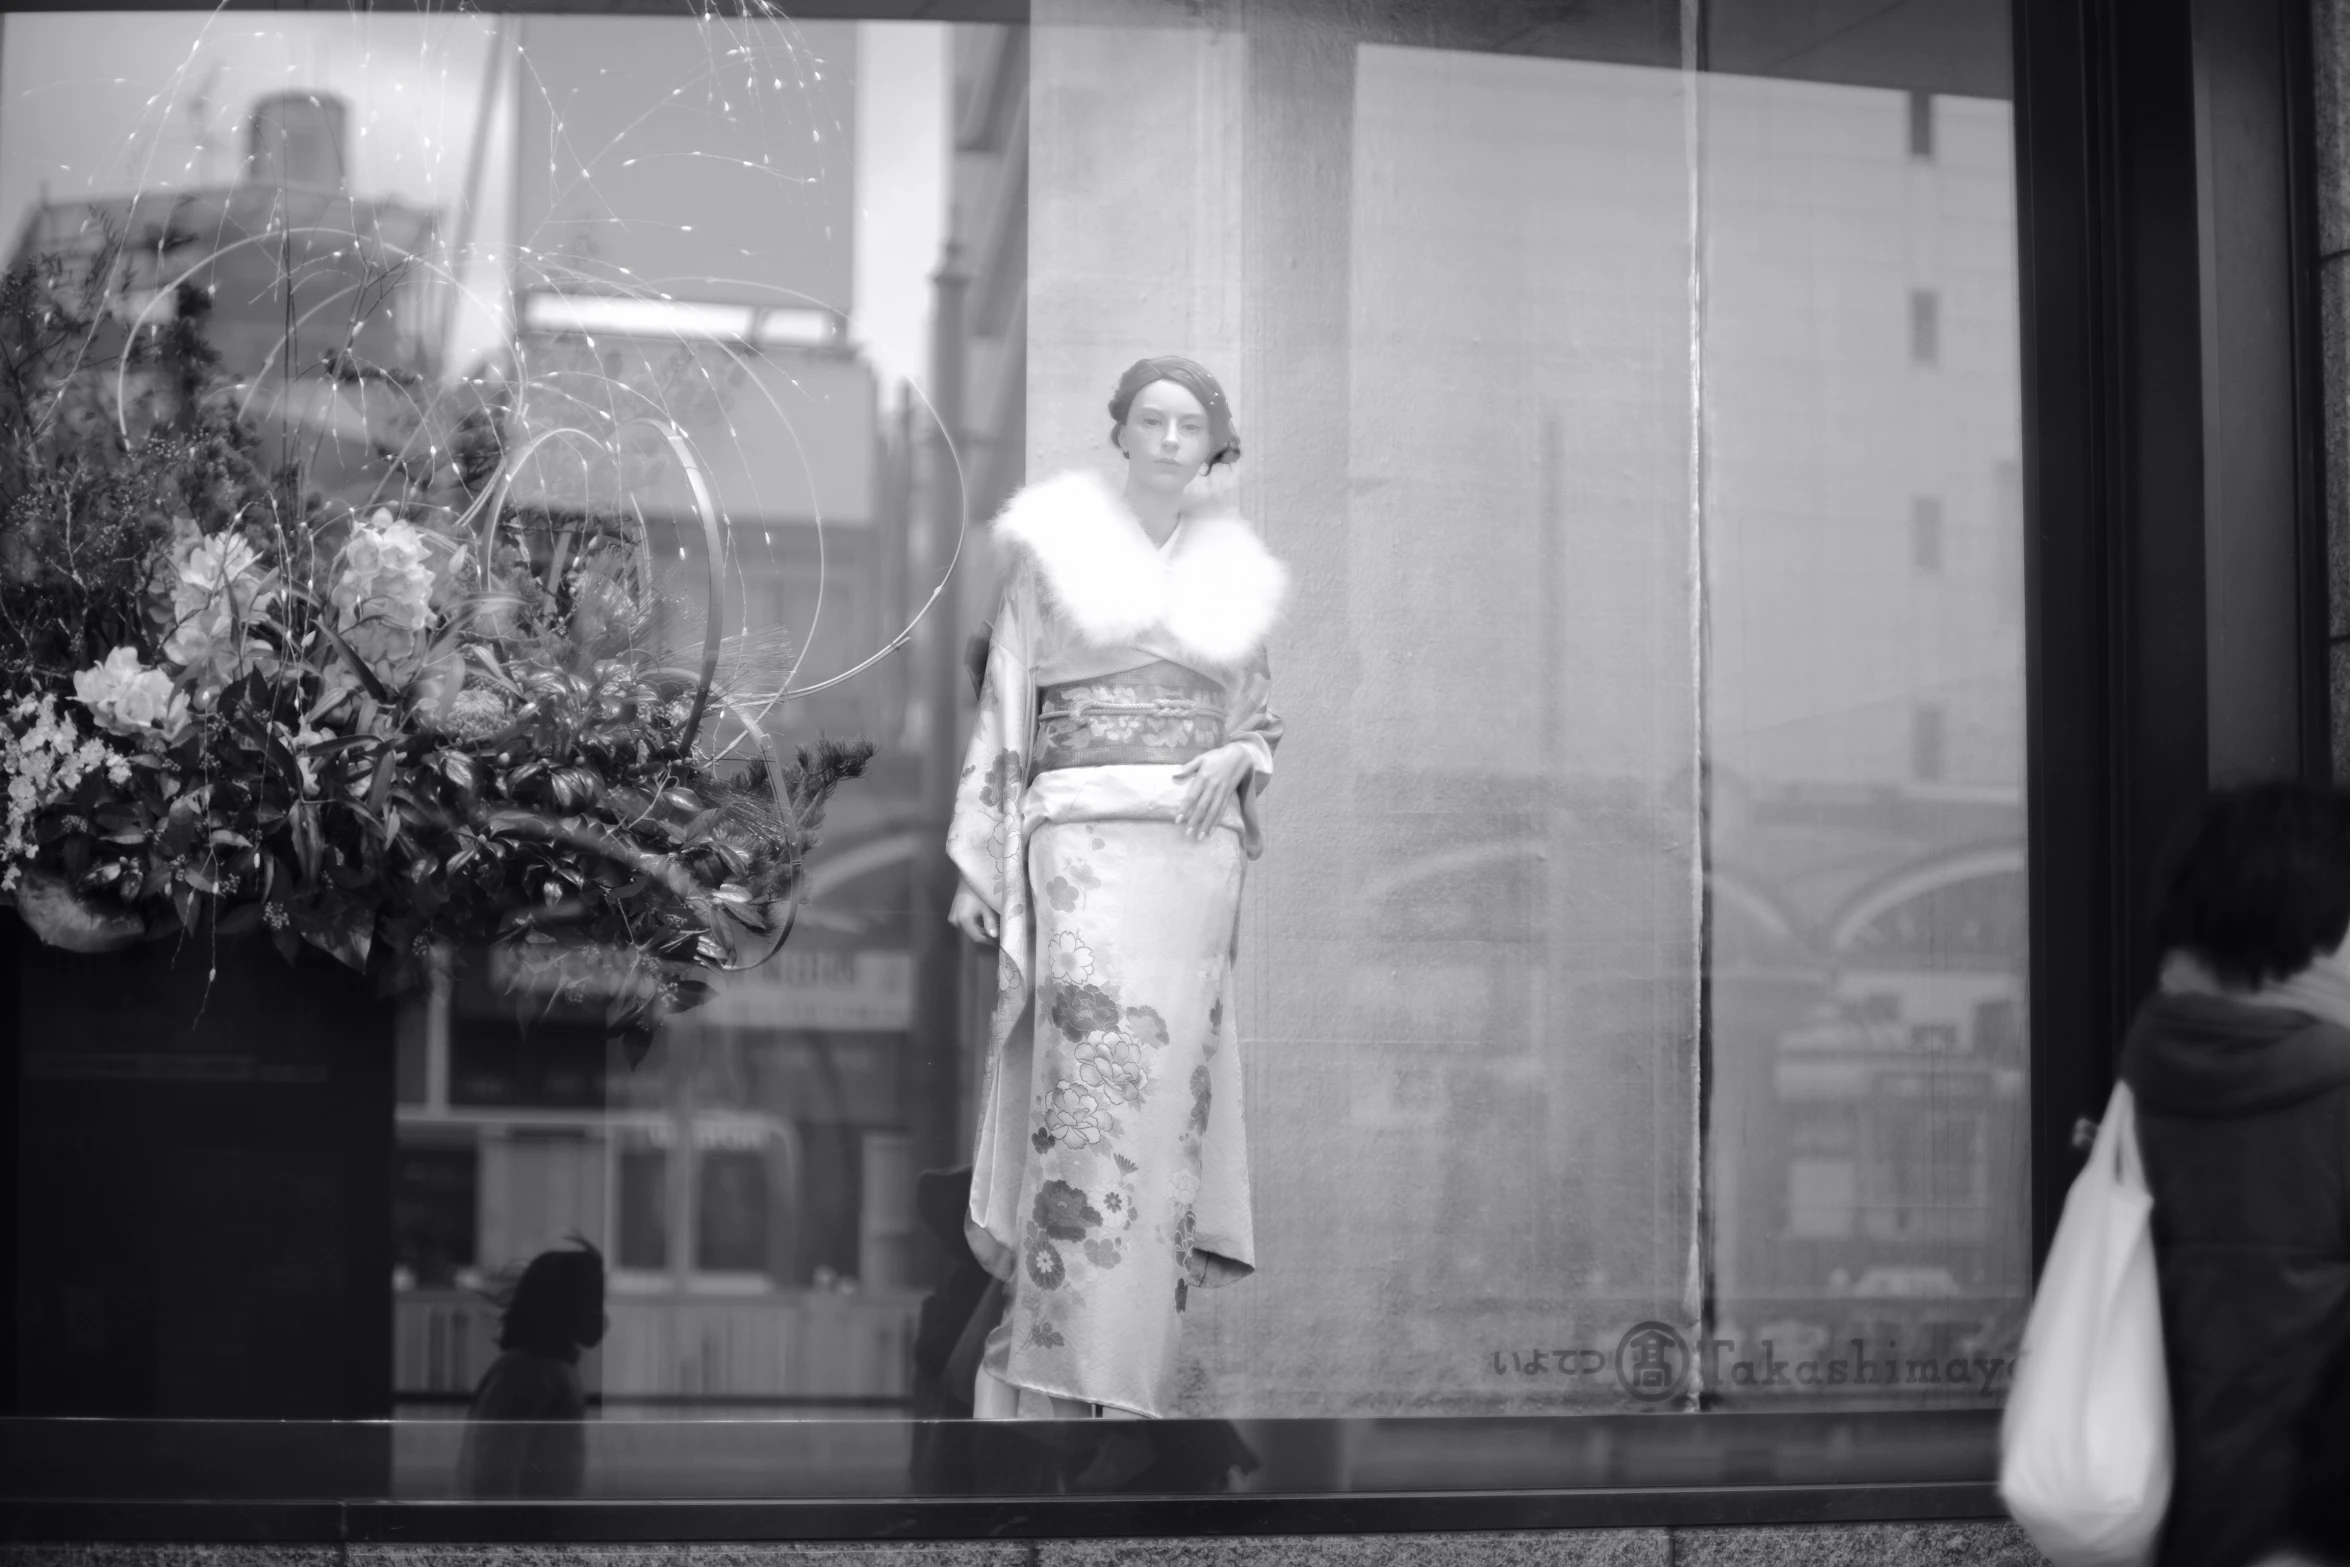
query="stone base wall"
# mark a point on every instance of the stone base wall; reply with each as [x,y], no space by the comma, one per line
[1993,1544]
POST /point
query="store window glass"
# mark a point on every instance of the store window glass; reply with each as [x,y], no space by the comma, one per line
[1864,723]
[1627,1012]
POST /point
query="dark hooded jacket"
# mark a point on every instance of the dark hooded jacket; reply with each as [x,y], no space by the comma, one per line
[2244,1120]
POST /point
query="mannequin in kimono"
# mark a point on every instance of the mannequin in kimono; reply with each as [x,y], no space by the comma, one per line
[1105,814]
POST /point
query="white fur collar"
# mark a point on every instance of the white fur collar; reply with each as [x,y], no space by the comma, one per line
[1217,592]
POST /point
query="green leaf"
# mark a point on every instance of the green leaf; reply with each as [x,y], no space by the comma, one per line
[636,1041]
[178,834]
[367,677]
[379,790]
[488,660]
[458,768]
[522,782]
[282,761]
[309,847]
[347,944]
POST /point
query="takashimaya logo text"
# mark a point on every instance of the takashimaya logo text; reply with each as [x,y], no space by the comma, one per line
[1761,1365]
[1653,1363]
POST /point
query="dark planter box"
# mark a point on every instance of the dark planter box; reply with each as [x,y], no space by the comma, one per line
[201,1162]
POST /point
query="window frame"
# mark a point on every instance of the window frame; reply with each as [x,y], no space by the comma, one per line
[2149,438]
[2147,681]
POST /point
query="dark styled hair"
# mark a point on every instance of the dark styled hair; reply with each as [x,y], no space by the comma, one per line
[556,1308]
[1223,439]
[2255,880]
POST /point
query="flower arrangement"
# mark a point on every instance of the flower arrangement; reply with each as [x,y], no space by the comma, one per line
[426,722]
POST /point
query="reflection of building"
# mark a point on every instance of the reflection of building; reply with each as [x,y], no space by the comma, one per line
[319,300]
[1865,713]
[788,443]
[746,1182]
[980,357]
[987,228]
[750,1182]
[1870,1042]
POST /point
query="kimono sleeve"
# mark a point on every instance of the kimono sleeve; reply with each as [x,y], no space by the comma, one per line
[986,819]
[1249,720]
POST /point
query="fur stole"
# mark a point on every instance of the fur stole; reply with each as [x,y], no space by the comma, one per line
[1217,592]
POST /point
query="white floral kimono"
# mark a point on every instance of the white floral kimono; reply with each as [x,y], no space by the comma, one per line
[1111,1169]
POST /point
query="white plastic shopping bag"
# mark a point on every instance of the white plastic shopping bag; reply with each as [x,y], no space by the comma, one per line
[2085,1450]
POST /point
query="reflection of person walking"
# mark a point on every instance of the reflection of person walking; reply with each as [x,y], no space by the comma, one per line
[2240,1068]
[525,1434]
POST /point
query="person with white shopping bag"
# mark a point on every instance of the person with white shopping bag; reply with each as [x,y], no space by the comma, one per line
[2236,1095]
[2085,1449]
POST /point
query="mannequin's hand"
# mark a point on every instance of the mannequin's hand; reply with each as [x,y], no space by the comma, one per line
[1214,776]
[970,914]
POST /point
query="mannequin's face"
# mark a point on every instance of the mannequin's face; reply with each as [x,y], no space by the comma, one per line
[1165,437]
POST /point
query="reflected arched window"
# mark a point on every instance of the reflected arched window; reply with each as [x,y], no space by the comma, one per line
[1974,922]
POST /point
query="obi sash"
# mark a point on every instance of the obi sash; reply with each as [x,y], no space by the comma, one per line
[1161,712]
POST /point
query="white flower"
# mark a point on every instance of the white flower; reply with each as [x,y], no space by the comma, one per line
[218,589]
[383,595]
[45,761]
[130,699]
[224,567]
[146,702]
[385,574]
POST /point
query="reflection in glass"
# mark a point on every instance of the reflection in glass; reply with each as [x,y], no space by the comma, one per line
[1658,730]
[524,1433]
[735,234]
[1865,702]
[1632,994]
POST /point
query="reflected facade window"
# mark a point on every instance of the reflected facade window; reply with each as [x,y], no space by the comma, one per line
[1925,326]
[1925,534]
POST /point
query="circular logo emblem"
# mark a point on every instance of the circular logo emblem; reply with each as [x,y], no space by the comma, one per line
[1652,1361]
